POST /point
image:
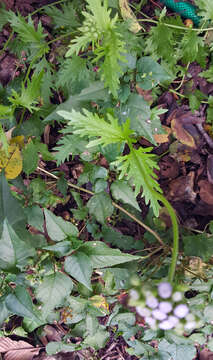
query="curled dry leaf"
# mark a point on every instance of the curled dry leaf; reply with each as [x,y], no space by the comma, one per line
[206,354]
[206,191]
[17,350]
[181,134]
[128,14]
[210,168]
[181,189]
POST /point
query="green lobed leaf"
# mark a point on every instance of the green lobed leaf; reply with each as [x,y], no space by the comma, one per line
[79,267]
[138,165]
[89,124]
[53,291]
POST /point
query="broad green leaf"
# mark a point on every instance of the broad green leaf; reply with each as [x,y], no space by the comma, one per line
[98,340]
[20,303]
[14,252]
[53,291]
[122,191]
[35,217]
[10,208]
[117,239]
[208,313]
[138,111]
[100,205]
[59,229]
[150,73]
[95,91]
[79,267]
[62,248]
[178,351]
[54,347]
[4,312]
[102,256]
[199,245]
[30,158]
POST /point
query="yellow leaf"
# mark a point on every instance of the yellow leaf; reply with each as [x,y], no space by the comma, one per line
[128,14]
[100,302]
[12,164]
[19,140]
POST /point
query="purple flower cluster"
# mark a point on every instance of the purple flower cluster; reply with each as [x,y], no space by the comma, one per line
[163,308]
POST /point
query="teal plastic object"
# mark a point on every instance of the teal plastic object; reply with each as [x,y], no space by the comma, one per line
[185,9]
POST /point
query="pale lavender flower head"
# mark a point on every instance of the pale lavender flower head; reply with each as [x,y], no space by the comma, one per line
[142,311]
[165,307]
[181,311]
[166,325]
[177,296]
[150,321]
[165,290]
[159,315]
[151,302]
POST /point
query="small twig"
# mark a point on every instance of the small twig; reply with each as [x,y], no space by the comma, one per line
[205,135]
[113,203]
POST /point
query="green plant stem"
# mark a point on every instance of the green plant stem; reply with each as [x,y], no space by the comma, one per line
[113,203]
[172,215]
[176,26]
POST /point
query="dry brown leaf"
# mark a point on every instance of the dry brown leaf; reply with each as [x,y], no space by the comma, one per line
[210,168]
[181,134]
[163,138]
[206,191]
[17,350]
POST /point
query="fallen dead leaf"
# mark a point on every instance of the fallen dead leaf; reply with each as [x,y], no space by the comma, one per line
[206,354]
[206,191]
[181,189]
[210,168]
[17,350]
[163,138]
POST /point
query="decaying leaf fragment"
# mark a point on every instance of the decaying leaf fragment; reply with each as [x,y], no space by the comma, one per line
[17,350]
[128,14]
[12,162]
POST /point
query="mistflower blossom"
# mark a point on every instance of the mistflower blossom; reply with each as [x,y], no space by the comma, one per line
[165,290]
[151,302]
[165,307]
[159,315]
[134,294]
[142,311]
[181,311]
[177,296]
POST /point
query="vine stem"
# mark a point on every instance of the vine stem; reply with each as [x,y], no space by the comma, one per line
[113,203]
